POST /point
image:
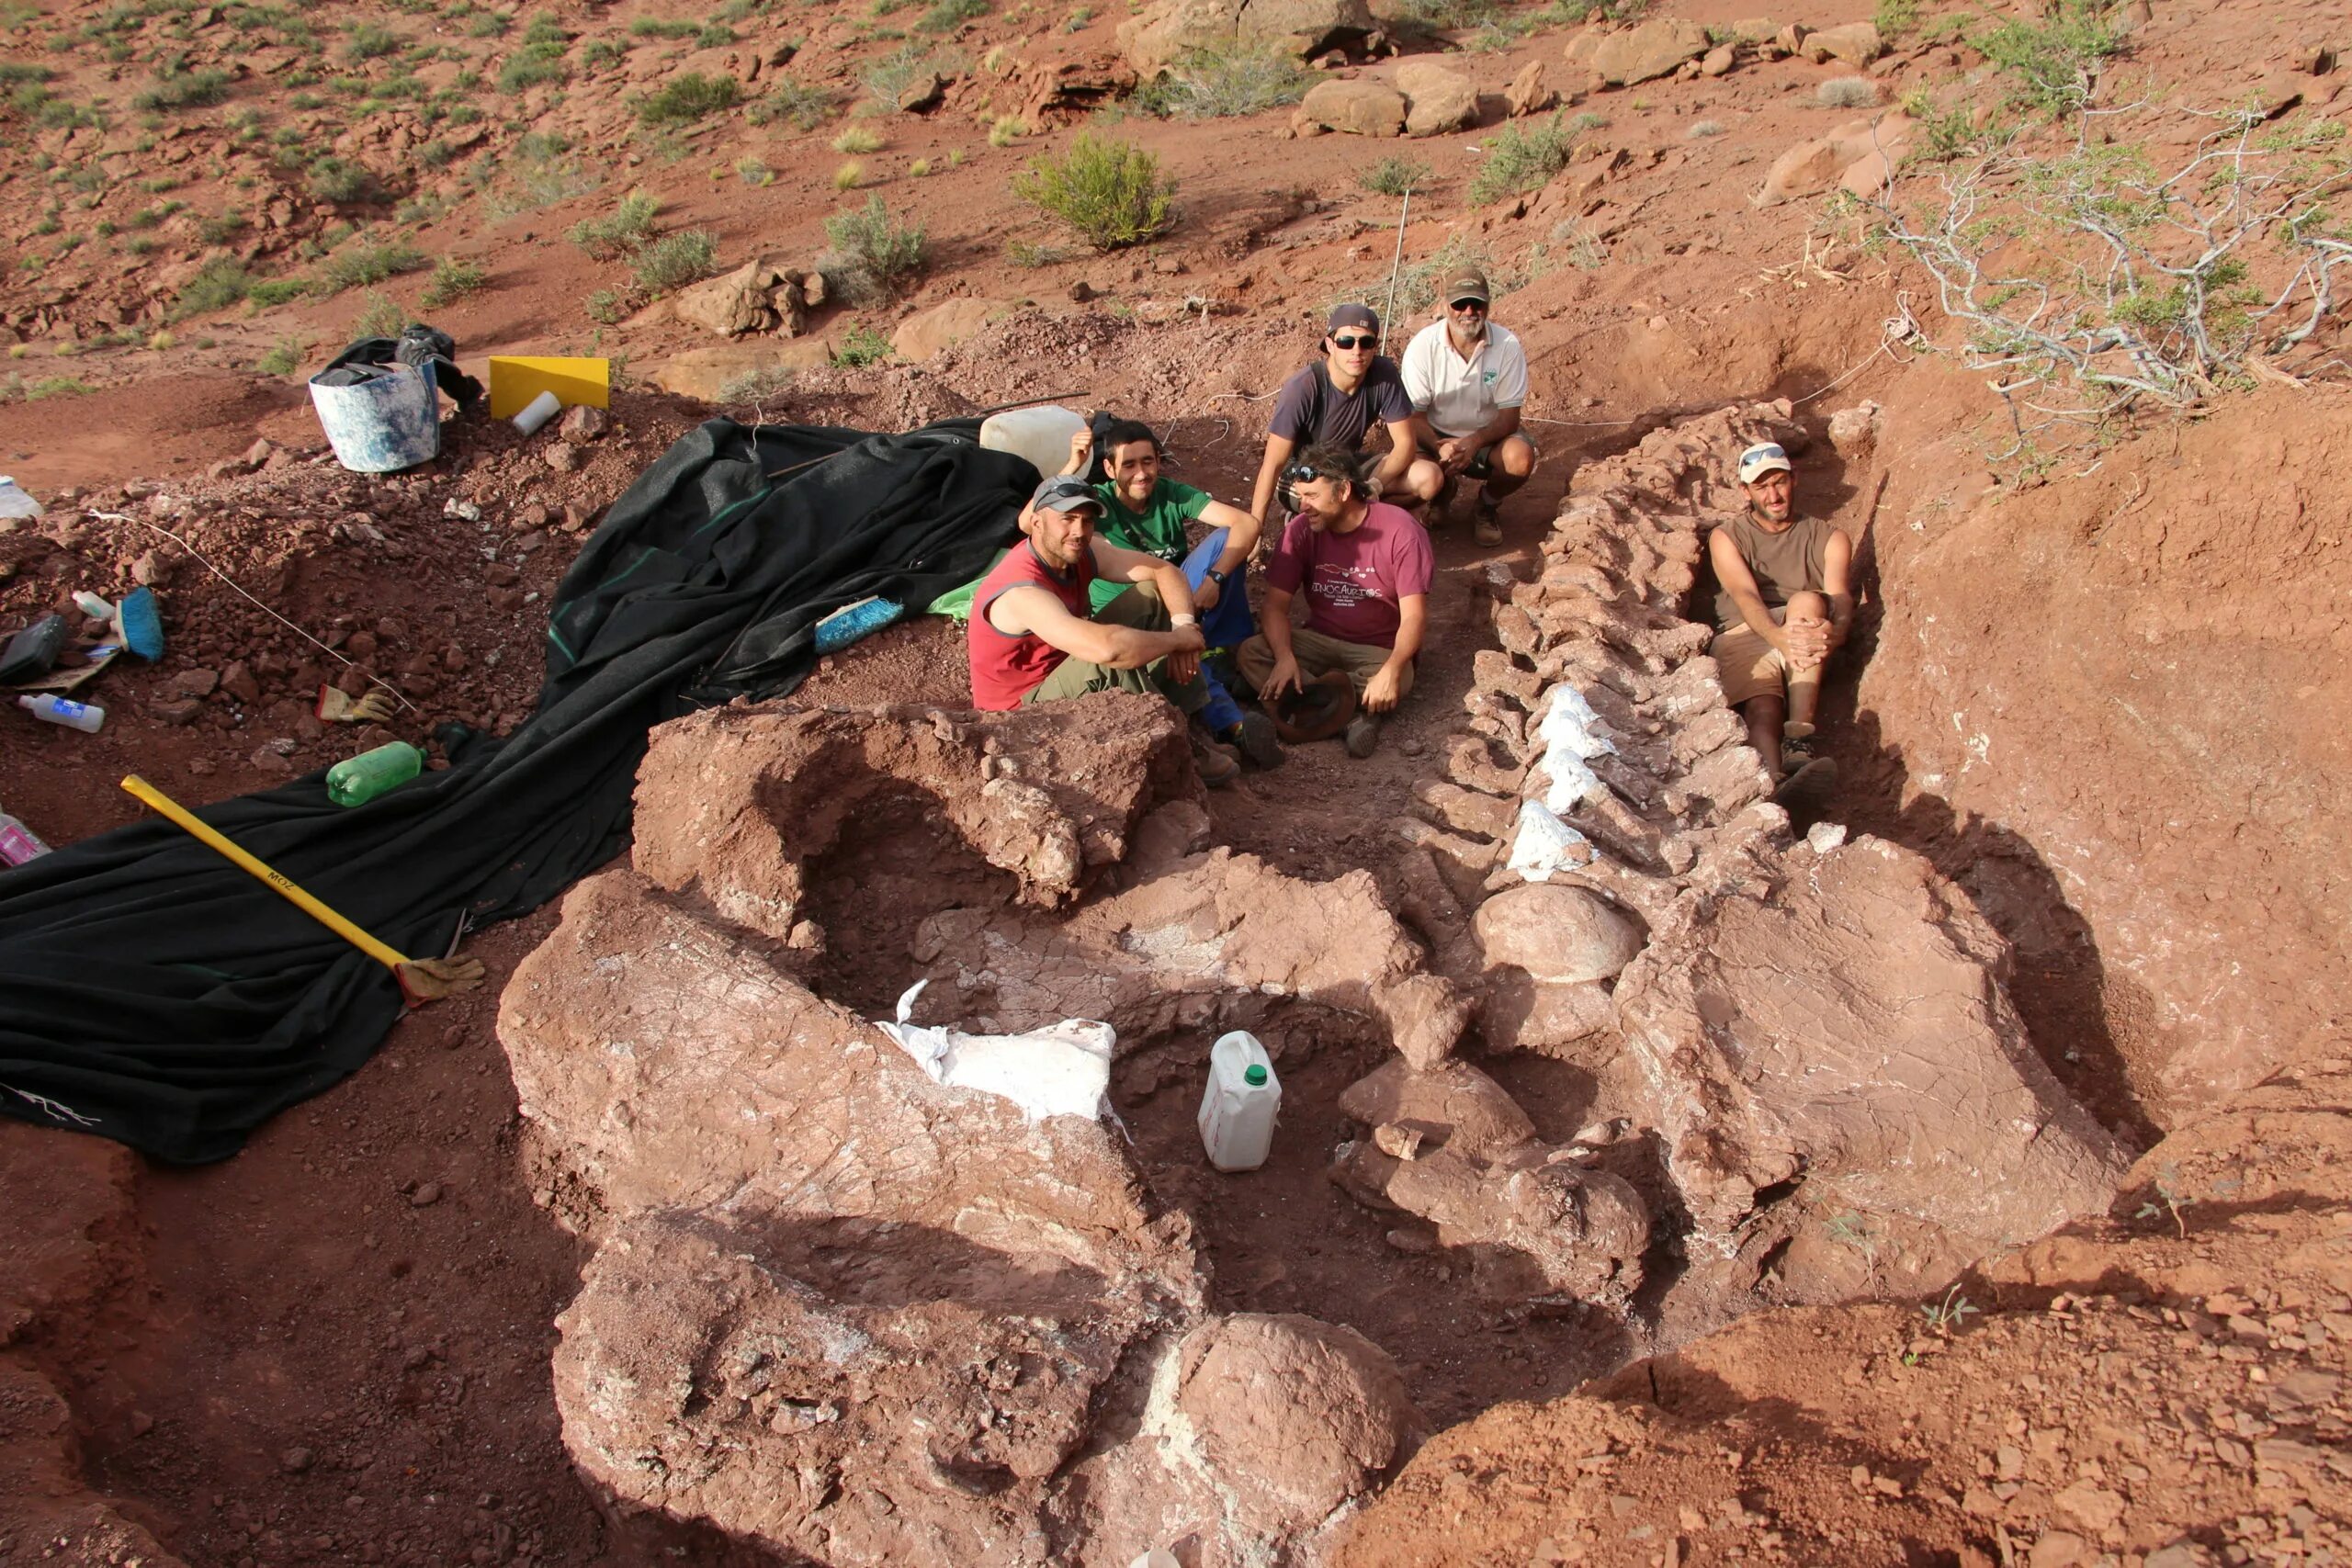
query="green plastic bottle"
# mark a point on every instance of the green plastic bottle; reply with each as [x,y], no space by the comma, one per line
[356,779]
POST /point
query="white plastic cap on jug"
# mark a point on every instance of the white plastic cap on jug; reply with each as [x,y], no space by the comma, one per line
[1238,1106]
[1041,435]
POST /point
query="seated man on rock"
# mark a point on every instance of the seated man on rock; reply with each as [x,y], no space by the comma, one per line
[1336,401]
[1467,377]
[1145,510]
[1034,636]
[1365,569]
[1782,607]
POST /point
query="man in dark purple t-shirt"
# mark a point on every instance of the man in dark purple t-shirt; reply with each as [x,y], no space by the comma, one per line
[1364,566]
[1336,401]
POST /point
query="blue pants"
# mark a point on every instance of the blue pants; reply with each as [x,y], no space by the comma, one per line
[1228,626]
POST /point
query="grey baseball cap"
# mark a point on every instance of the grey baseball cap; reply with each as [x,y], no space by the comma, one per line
[1066,492]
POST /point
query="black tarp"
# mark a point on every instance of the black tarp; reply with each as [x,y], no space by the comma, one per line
[152,993]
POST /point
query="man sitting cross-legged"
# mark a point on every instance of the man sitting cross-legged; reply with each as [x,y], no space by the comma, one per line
[1032,638]
[1146,510]
[1784,607]
[1365,569]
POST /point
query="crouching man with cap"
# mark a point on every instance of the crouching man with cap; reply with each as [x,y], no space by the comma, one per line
[1364,566]
[1466,378]
[1783,606]
[1032,638]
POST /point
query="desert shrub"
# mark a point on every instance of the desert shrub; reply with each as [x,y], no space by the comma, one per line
[1895,17]
[366,263]
[380,315]
[339,180]
[603,306]
[1706,127]
[221,227]
[601,55]
[490,24]
[887,79]
[858,138]
[534,65]
[662,26]
[862,346]
[55,387]
[1110,191]
[947,15]
[1026,254]
[889,252]
[368,41]
[675,259]
[2055,63]
[1522,158]
[793,104]
[217,284]
[619,232]
[183,89]
[451,281]
[1008,129]
[1239,79]
[285,356]
[687,97]
[849,175]
[1395,177]
[753,171]
[271,291]
[1846,93]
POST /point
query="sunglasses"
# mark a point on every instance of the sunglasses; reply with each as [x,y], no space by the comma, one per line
[1479,306]
[1347,342]
[1303,473]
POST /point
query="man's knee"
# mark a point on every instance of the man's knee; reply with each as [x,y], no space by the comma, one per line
[1256,659]
[1516,456]
[1806,606]
[1424,479]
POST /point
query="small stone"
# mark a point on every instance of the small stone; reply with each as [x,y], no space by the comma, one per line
[561,457]
[425,1196]
[238,681]
[192,684]
[582,423]
[142,1423]
[294,1461]
[178,710]
[464,511]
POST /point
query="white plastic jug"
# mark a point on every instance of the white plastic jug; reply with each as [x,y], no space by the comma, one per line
[1041,435]
[1238,1106]
[14,502]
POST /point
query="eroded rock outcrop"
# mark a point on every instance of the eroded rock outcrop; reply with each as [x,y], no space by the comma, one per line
[1164,33]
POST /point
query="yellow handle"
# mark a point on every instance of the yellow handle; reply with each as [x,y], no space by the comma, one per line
[293,894]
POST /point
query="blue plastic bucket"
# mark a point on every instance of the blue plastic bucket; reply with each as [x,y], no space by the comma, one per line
[383,425]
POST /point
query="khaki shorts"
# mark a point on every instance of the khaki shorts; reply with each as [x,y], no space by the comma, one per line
[1748,666]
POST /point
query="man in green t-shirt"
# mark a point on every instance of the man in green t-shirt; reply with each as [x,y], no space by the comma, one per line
[1146,510]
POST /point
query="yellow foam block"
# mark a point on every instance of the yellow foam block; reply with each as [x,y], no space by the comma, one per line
[516,379]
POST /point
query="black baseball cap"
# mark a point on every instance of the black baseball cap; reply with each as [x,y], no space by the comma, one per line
[1067,492]
[1362,316]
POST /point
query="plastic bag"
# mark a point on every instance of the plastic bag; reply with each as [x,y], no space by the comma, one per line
[1061,1070]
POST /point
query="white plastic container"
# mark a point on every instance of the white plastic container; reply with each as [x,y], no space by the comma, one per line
[90,604]
[382,425]
[1041,435]
[65,711]
[18,843]
[537,412]
[1237,1108]
[14,502]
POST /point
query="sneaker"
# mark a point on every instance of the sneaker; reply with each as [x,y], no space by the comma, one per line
[1254,737]
[1363,735]
[1217,764]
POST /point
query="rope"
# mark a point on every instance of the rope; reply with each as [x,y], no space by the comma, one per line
[297,631]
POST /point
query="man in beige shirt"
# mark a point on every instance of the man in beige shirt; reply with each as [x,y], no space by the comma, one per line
[1784,604]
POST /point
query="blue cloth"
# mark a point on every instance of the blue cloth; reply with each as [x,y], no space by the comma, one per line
[1227,625]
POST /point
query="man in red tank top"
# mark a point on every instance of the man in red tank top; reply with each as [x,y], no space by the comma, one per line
[1030,639]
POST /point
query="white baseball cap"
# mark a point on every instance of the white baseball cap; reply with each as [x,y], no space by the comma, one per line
[1763,459]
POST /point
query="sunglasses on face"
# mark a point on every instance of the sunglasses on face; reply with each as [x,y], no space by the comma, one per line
[1471,307]
[1344,343]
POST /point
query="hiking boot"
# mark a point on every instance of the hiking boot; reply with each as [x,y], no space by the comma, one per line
[1217,766]
[1487,528]
[1255,739]
[1807,788]
[1361,735]
[1440,511]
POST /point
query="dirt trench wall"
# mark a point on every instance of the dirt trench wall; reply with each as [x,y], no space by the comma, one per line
[2115,707]
[1815,1033]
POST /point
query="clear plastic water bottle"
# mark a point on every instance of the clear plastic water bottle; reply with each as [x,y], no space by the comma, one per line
[1238,1108]
[356,779]
[18,843]
[84,716]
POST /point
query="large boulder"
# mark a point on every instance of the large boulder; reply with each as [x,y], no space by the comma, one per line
[1856,43]
[1529,93]
[1438,99]
[928,333]
[1859,156]
[1558,933]
[1850,1032]
[728,371]
[1657,48]
[761,296]
[1164,33]
[1360,109]
[1298,1418]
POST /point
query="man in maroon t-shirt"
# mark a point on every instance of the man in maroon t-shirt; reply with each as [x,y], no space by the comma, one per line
[1365,566]
[1032,641]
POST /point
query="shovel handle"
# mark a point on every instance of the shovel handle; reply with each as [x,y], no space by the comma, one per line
[151,795]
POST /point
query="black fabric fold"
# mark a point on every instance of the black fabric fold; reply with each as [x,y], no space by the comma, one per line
[152,993]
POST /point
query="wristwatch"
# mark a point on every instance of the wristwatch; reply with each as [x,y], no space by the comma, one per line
[1217,577]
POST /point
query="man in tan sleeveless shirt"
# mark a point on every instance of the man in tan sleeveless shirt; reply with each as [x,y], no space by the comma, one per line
[1785,603]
